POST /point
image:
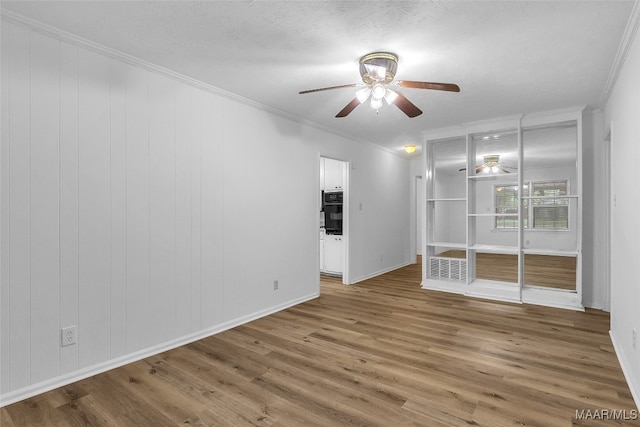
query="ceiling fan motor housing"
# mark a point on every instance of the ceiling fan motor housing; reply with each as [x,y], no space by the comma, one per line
[377,61]
[491,160]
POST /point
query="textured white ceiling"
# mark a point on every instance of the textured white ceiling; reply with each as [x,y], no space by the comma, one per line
[507,57]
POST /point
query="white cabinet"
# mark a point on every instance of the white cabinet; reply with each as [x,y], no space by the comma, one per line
[333,254]
[333,175]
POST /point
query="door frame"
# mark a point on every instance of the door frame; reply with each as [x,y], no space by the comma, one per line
[417,217]
[346,167]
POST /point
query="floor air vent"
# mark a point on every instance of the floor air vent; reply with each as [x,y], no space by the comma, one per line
[448,268]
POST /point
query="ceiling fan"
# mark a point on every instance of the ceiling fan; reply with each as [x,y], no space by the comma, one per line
[377,70]
[491,164]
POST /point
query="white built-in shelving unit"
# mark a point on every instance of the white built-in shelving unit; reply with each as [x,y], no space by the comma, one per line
[539,169]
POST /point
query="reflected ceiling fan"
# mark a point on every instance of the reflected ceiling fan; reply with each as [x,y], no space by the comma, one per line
[377,70]
[491,164]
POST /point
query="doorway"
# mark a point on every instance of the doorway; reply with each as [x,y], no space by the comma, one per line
[334,219]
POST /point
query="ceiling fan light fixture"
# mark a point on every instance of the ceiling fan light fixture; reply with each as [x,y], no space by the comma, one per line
[363,94]
[391,96]
[378,91]
[409,148]
[376,103]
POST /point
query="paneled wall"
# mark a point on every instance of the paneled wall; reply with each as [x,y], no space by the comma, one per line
[149,212]
[106,200]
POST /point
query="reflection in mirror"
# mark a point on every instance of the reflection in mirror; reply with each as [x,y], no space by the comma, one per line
[497,267]
[449,221]
[495,153]
[549,205]
[448,190]
[449,159]
[550,271]
[496,156]
[486,234]
[550,152]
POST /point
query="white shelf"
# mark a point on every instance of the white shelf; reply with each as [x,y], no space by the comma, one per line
[448,245]
[494,215]
[495,249]
[502,176]
[462,199]
[505,249]
[554,252]
[568,196]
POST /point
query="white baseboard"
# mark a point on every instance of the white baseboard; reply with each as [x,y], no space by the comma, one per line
[598,305]
[80,374]
[444,286]
[499,291]
[632,382]
[379,272]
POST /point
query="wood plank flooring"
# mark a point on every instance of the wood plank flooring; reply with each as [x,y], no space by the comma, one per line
[549,271]
[380,353]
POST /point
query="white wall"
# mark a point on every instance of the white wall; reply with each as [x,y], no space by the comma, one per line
[622,117]
[379,209]
[140,209]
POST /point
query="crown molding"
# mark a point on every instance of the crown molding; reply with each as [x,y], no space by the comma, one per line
[628,37]
[81,42]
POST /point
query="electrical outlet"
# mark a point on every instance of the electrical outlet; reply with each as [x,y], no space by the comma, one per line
[275,285]
[633,337]
[68,336]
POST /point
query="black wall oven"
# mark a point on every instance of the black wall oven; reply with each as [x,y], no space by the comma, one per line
[332,207]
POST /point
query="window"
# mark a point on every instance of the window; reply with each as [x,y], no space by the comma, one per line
[550,211]
[507,206]
[548,201]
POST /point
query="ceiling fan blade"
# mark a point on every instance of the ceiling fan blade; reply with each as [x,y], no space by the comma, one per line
[479,169]
[349,107]
[406,106]
[328,88]
[503,170]
[429,85]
